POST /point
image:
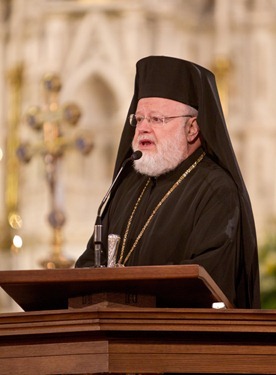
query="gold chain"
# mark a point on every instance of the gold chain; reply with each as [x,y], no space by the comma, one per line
[175,185]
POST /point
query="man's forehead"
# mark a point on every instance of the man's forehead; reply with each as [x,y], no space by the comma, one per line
[155,102]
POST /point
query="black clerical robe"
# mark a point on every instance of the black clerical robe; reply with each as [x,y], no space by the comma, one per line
[198,223]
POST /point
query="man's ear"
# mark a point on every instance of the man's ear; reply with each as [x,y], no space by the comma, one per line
[192,130]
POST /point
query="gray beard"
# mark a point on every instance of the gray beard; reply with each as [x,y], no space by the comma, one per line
[168,156]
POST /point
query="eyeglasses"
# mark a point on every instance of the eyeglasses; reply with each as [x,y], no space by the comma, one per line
[136,120]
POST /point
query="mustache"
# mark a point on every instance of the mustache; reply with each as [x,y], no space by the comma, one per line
[146,137]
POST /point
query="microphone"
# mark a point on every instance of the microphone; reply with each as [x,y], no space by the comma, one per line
[98,229]
[135,156]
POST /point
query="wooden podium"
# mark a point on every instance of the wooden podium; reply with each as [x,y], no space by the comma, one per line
[53,336]
[168,286]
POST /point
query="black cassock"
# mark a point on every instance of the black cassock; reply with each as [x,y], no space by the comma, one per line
[199,223]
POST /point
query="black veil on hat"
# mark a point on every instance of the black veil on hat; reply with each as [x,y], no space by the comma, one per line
[191,84]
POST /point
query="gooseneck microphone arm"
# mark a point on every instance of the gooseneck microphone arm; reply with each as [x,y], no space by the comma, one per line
[98,229]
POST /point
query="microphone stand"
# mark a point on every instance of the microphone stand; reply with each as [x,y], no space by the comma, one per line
[98,228]
[98,233]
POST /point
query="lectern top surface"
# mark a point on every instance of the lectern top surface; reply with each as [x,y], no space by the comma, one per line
[175,286]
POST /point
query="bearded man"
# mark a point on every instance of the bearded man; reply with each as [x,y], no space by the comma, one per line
[184,201]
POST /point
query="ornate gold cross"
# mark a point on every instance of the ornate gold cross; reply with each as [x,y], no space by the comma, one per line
[50,122]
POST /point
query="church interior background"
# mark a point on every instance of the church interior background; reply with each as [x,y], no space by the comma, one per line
[72,63]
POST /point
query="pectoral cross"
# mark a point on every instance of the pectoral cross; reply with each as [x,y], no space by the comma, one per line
[51,122]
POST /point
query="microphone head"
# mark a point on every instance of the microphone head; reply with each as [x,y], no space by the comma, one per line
[136,155]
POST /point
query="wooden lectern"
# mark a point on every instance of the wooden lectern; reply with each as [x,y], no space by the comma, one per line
[155,319]
[166,286]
